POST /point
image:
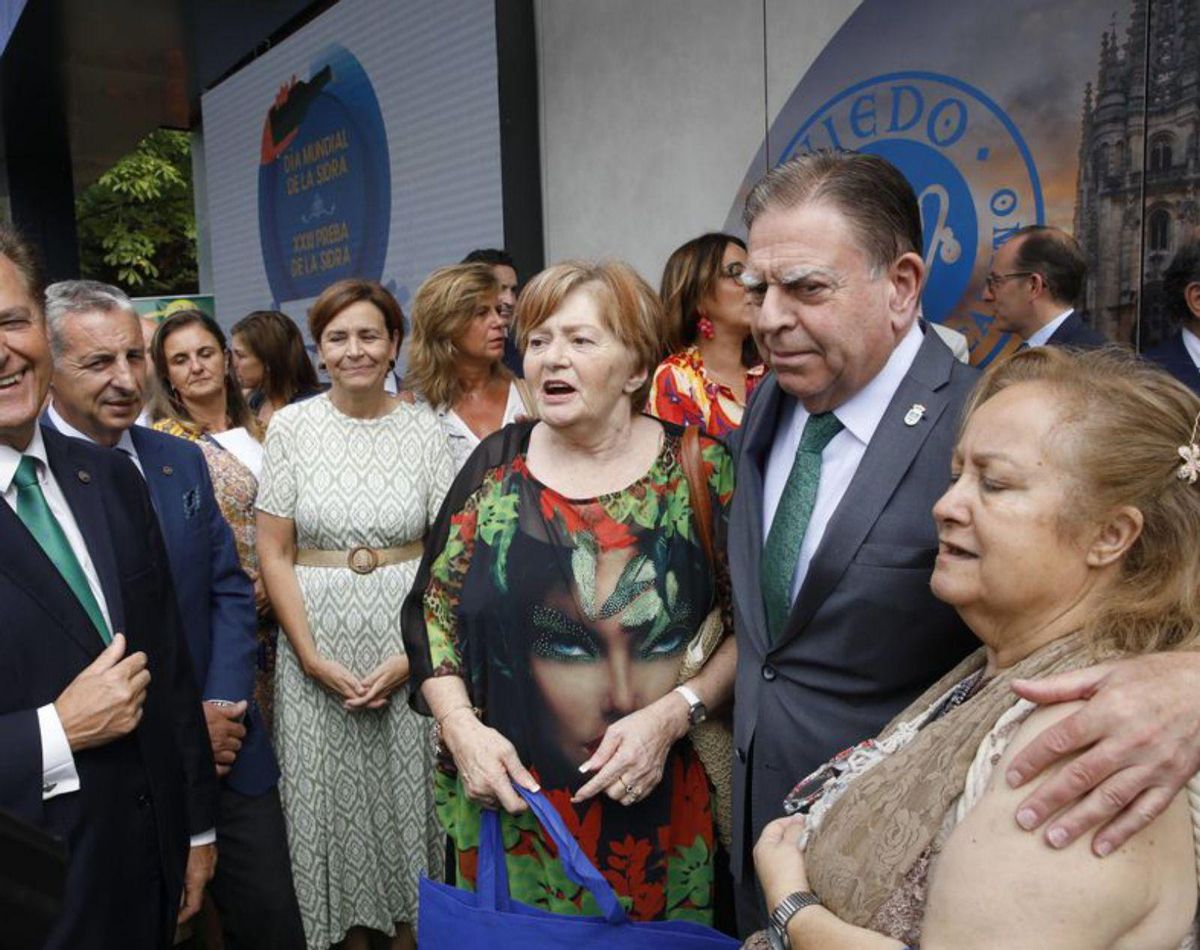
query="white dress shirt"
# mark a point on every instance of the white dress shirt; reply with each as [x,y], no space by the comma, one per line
[460,437]
[860,416]
[1191,343]
[1042,337]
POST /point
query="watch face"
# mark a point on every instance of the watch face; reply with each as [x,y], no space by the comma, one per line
[698,714]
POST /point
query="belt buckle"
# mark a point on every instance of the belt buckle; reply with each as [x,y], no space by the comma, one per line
[362,559]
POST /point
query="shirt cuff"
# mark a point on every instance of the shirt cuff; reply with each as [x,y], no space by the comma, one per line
[205,837]
[58,764]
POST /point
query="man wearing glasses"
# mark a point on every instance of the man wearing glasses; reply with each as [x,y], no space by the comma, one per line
[1036,277]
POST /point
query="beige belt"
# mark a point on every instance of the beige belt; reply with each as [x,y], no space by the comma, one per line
[362,559]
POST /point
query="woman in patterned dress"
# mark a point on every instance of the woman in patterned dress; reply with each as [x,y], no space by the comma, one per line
[560,592]
[198,400]
[713,365]
[351,480]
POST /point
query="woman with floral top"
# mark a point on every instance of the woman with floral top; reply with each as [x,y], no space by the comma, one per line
[561,589]
[713,366]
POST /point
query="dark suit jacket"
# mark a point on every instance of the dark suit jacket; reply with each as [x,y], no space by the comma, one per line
[1172,355]
[216,598]
[152,788]
[1075,333]
[865,635]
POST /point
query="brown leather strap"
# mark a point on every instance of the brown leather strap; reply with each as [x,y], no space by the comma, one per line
[362,559]
[693,470]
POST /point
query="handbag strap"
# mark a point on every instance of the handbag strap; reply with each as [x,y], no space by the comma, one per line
[491,880]
[693,470]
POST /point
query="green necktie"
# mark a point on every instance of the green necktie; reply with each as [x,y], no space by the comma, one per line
[39,519]
[782,550]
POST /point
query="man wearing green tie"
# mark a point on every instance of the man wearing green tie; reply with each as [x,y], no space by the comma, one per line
[100,721]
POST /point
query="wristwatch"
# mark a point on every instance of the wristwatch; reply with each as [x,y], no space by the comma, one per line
[787,908]
[697,711]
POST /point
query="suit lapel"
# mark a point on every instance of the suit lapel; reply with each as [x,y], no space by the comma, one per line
[150,455]
[1182,364]
[888,457]
[744,564]
[81,487]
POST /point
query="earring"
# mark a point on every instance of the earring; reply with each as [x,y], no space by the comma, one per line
[706,328]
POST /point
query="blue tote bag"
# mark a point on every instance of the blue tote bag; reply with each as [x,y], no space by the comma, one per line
[454,919]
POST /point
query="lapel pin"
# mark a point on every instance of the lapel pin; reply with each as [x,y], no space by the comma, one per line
[83,476]
[167,470]
[914,415]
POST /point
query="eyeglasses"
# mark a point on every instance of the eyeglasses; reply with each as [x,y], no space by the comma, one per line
[993,279]
[734,270]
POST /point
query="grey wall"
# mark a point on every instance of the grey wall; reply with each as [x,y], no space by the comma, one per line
[652,111]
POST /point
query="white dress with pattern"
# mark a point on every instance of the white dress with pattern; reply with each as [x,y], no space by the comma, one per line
[357,786]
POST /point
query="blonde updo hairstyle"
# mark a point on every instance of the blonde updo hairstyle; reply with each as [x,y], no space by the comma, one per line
[443,308]
[1121,424]
[629,309]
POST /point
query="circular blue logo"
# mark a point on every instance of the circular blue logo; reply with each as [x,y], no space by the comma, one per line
[975,179]
[324,180]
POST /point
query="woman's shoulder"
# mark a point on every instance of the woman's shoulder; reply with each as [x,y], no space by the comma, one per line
[683,364]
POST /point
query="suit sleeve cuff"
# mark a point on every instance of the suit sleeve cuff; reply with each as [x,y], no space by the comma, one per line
[205,837]
[58,764]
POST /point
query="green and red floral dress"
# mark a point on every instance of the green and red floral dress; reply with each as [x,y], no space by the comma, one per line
[562,615]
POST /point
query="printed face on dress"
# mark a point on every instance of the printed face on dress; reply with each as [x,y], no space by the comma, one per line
[100,376]
[581,375]
[729,304]
[1005,550]
[602,650]
[247,367]
[25,364]
[508,291]
[195,362]
[827,318]
[356,348]
[483,338]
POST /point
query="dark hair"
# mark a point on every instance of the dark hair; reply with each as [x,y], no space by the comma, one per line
[1184,269]
[870,192]
[338,296]
[492,256]
[277,342]
[1055,256]
[26,259]
[690,274]
[235,405]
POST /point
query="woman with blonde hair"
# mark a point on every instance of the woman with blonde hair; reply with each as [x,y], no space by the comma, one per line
[455,357]
[1067,536]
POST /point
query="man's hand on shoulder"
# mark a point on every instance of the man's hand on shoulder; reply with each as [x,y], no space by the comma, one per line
[104,702]
[201,863]
[1139,738]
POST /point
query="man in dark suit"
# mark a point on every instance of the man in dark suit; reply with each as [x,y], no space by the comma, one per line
[1179,354]
[96,395]
[100,720]
[1035,279]
[842,453]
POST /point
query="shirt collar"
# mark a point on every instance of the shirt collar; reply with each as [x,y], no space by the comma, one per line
[862,412]
[125,443]
[10,458]
[1043,335]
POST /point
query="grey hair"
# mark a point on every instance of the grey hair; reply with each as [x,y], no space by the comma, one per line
[67,297]
[871,193]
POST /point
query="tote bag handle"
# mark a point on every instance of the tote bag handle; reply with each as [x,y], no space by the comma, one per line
[491,879]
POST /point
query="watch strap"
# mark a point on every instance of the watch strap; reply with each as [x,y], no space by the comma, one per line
[696,708]
[787,908]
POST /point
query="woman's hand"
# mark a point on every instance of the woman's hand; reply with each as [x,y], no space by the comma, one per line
[335,678]
[633,752]
[487,763]
[262,603]
[778,860]
[381,682]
